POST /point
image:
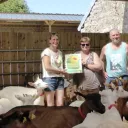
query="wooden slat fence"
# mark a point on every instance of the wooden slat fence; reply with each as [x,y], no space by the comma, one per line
[20,52]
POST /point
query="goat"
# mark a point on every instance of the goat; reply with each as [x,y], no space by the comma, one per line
[51,117]
[122,102]
[10,94]
[115,121]
[11,91]
[108,98]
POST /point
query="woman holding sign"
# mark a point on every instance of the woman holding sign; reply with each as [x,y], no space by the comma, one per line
[88,81]
[53,72]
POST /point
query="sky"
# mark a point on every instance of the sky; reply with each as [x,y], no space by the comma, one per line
[59,6]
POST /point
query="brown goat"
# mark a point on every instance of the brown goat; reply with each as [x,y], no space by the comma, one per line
[51,117]
[121,102]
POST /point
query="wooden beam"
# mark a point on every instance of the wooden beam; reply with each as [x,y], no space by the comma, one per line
[49,23]
[21,23]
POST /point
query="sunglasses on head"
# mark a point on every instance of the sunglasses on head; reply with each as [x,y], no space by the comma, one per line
[84,45]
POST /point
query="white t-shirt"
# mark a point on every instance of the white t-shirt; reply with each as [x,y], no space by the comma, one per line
[56,62]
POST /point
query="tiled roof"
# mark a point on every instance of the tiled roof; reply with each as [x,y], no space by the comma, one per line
[40,17]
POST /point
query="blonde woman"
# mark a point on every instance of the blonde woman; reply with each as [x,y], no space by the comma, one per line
[53,72]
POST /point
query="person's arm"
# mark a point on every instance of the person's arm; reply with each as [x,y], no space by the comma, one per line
[127,49]
[97,66]
[102,58]
[127,55]
[48,66]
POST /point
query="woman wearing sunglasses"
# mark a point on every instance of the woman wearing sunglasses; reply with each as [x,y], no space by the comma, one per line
[88,81]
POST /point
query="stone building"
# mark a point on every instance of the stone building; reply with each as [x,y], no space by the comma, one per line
[105,15]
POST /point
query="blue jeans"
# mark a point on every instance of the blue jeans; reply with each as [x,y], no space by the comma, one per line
[54,83]
[109,79]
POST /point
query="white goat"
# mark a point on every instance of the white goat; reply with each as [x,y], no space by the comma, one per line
[11,94]
[34,99]
[11,91]
[108,98]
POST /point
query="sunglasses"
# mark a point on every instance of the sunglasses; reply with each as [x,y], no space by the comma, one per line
[83,45]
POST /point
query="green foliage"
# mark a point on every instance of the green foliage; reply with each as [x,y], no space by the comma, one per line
[16,6]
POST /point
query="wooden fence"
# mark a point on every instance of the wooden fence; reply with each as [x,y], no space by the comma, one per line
[20,52]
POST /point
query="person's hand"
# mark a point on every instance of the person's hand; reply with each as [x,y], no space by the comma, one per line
[83,62]
[63,72]
[105,75]
[67,76]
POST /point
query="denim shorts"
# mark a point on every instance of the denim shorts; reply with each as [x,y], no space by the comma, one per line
[54,83]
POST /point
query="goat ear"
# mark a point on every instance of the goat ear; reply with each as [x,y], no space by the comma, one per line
[31,83]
